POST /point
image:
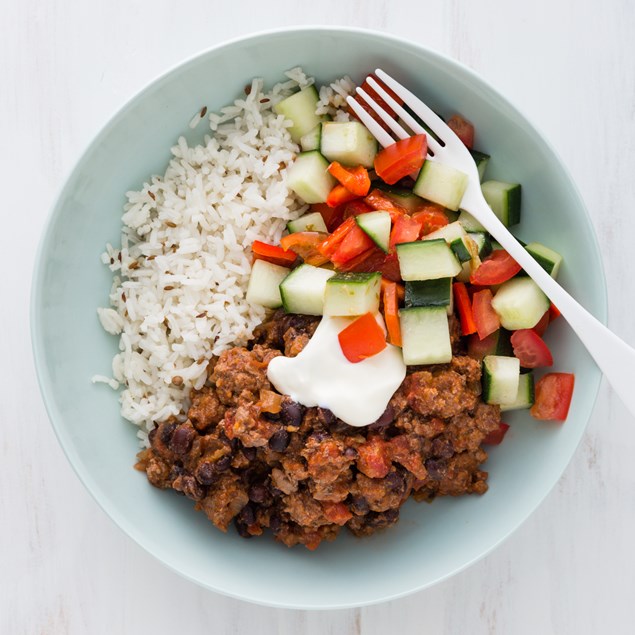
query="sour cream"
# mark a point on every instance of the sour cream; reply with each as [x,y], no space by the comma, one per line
[321,376]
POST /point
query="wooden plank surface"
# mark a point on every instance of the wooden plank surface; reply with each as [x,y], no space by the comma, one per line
[65,67]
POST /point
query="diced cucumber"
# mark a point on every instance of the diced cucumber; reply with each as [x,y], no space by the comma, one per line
[483,243]
[429,292]
[312,222]
[520,303]
[427,260]
[348,142]
[352,294]
[302,291]
[548,259]
[497,343]
[456,237]
[470,224]
[311,140]
[308,177]
[525,396]
[401,196]
[425,335]
[481,159]
[264,284]
[501,377]
[300,109]
[441,184]
[377,226]
[504,199]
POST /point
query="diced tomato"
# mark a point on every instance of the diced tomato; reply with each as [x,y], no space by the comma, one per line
[464,308]
[431,217]
[355,243]
[370,260]
[332,242]
[355,208]
[402,158]
[332,216]
[479,348]
[404,230]
[339,195]
[463,129]
[554,313]
[337,513]
[273,254]
[542,325]
[390,268]
[496,436]
[553,397]
[362,339]
[390,299]
[306,245]
[355,180]
[485,318]
[530,349]
[498,267]
[378,200]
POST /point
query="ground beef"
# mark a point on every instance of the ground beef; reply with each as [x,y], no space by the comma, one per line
[303,474]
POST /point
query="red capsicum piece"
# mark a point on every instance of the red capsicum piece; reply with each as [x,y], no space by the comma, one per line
[362,339]
[272,253]
[355,180]
[339,195]
[464,308]
[390,299]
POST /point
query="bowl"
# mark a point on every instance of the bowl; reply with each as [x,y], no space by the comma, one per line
[431,542]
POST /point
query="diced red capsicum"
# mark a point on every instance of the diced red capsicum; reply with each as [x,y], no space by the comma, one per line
[463,129]
[332,242]
[390,299]
[362,339]
[542,324]
[339,195]
[402,158]
[306,245]
[553,397]
[379,201]
[464,308]
[496,436]
[355,180]
[485,318]
[273,254]
[497,268]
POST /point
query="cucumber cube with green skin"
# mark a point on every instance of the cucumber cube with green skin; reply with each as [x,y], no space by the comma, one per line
[497,343]
[377,226]
[264,284]
[303,290]
[402,196]
[520,303]
[349,294]
[526,394]
[308,177]
[456,237]
[481,159]
[427,260]
[548,259]
[504,199]
[300,109]
[470,224]
[313,222]
[429,292]
[501,376]
[483,243]
[441,184]
[425,335]
[349,143]
[311,140]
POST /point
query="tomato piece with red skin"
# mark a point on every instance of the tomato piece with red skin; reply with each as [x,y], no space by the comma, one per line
[431,217]
[531,349]
[355,243]
[379,201]
[463,129]
[485,318]
[368,261]
[333,241]
[497,268]
[356,208]
[404,230]
[543,323]
[554,313]
[496,436]
[390,268]
[553,397]
[401,158]
[332,216]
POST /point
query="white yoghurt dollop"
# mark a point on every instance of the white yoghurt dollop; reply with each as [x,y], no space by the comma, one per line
[321,376]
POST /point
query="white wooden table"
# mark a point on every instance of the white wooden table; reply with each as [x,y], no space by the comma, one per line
[65,66]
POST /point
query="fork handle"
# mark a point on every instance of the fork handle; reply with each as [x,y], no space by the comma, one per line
[615,358]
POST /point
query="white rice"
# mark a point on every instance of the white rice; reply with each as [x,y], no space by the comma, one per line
[181,273]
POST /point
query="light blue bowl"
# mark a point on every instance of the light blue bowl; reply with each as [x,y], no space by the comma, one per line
[431,542]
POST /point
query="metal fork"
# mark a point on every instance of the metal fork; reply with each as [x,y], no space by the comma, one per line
[615,358]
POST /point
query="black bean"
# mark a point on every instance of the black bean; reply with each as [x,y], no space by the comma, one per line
[291,413]
[385,420]
[442,448]
[396,483]
[249,453]
[350,453]
[176,471]
[319,436]
[166,430]
[181,441]
[270,416]
[279,440]
[247,515]
[191,488]
[436,468]
[152,434]
[327,417]
[206,473]
[223,463]
[359,505]
[258,493]
[241,528]
[275,523]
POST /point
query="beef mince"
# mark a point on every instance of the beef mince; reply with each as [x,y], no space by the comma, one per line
[256,459]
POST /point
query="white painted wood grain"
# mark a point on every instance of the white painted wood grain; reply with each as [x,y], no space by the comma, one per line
[65,66]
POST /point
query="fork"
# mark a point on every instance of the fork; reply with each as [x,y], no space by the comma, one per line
[615,358]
